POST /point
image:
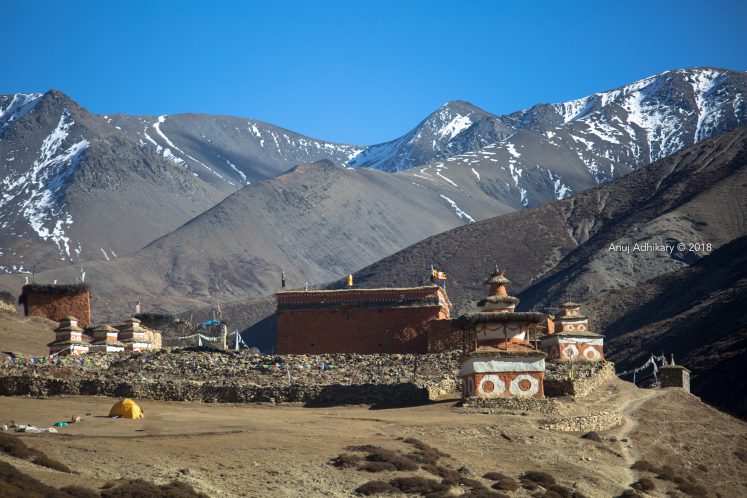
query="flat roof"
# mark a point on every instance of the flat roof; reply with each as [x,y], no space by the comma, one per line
[423,296]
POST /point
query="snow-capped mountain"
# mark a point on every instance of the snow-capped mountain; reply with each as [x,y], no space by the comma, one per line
[609,133]
[74,188]
[225,151]
[454,128]
[623,129]
[551,151]
[77,186]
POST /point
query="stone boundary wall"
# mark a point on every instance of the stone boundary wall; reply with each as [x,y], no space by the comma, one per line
[223,391]
[192,375]
[547,406]
[586,378]
[600,421]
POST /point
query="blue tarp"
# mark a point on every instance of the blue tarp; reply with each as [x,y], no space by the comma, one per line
[207,324]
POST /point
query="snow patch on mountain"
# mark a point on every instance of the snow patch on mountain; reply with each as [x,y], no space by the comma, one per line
[157,127]
[453,128]
[171,157]
[709,107]
[237,170]
[511,148]
[20,105]
[561,190]
[36,193]
[459,212]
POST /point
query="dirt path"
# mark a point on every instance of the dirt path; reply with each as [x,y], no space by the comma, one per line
[629,424]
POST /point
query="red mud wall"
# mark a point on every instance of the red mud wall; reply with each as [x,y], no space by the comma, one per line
[351,330]
[57,306]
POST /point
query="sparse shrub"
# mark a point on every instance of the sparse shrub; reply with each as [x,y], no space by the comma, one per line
[592,436]
[541,478]
[425,453]
[644,484]
[375,488]
[7,298]
[346,460]
[645,466]
[14,446]
[701,467]
[529,485]
[378,467]
[493,476]
[400,461]
[692,488]
[51,463]
[80,492]
[667,473]
[417,484]
[484,493]
[16,484]
[629,493]
[139,489]
[561,490]
[506,483]
[741,455]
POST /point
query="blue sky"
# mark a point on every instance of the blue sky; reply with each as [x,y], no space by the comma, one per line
[350,71]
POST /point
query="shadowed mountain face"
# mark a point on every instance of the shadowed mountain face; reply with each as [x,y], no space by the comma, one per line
[563,248]
[696,314]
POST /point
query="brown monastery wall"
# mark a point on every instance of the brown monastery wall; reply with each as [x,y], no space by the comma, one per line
[57,306]
[355,330]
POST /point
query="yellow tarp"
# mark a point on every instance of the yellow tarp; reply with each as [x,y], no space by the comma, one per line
[126,409]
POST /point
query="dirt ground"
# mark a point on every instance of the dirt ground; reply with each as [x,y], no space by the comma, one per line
[25,335]
[284,450]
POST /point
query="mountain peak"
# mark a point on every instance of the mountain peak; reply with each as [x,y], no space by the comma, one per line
[460,106]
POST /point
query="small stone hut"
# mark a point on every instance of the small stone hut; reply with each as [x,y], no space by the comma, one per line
[674,376]
[57,301]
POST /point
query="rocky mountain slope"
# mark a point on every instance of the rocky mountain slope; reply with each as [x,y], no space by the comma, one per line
[695,313]
[74,188]
[326,220]
[225,151]
[563,249]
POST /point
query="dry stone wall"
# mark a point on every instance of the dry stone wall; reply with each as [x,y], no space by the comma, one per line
[194,374]
[586,377]
[600,421]
[220,377]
